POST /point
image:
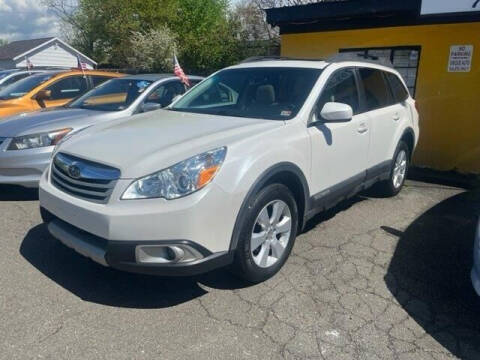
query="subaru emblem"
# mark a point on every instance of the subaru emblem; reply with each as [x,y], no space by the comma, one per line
[74,171]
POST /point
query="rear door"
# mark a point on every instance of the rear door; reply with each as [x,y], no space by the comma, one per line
[339,150]
[385,115]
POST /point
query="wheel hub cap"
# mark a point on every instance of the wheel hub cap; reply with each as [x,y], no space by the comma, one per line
[271,233]
[399,169]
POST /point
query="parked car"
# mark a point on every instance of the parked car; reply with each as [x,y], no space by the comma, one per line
[8,77]
[231,172]
[49,89]
[29,139]
[476,261]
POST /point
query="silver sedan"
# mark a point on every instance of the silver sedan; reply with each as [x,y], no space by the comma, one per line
[27,140]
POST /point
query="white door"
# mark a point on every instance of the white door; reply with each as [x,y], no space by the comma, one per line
[385,115]
[339,150]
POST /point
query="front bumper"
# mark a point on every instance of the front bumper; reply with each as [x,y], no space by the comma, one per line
[110,233]
[23,167]
[120,255]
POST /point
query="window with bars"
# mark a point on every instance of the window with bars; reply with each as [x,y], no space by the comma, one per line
[405,60]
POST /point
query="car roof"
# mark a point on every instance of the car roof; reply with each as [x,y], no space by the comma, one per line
[9,71]
[156,77]
[345,59]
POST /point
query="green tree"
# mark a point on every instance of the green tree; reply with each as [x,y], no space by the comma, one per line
[152,51]
[3,42]
[102,28]
[206,33]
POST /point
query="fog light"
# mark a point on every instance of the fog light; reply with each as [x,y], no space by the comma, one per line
[166,254]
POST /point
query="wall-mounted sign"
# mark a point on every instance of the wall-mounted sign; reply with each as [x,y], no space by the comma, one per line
[460,58]
[430,7]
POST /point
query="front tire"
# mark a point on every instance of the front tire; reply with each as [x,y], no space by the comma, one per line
[267,234]
[398,173]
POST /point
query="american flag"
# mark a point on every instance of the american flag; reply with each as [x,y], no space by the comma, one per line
[81,65]
[179,71]
[28,63]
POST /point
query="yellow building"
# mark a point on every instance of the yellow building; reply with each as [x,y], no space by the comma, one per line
[432,43]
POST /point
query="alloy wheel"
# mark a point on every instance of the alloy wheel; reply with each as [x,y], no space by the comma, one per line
[271,233]
[399,169]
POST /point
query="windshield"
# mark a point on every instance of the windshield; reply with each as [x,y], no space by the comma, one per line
[6,73]
[272,93]
[24,86]
[113,95]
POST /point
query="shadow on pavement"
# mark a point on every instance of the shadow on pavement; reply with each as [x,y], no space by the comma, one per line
[429,273]
[17,193]
[95,283]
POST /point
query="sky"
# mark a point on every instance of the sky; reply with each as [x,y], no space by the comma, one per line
[26,19]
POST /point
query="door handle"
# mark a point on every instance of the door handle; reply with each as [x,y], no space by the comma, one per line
[396,117]
[362,129]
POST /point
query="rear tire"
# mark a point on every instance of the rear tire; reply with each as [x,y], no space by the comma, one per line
[398,172]
[267,234]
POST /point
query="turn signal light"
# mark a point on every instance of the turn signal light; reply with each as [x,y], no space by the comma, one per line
[206,175]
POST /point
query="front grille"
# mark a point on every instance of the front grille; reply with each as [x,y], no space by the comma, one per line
[83,179]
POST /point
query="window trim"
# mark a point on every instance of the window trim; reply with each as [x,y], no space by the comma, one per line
[353,69]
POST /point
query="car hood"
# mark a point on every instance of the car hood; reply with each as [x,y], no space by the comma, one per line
[44,120]
[146,143]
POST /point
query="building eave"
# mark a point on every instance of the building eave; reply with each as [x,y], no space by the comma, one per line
[357,14]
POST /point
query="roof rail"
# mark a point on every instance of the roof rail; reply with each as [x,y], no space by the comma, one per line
[350,56]
[268,58]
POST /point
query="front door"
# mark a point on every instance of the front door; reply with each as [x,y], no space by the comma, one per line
[64,90]
[339,150]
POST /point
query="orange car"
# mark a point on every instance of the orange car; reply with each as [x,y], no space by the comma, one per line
[52,88]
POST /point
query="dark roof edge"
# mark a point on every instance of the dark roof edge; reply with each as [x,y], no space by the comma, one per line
[358,14]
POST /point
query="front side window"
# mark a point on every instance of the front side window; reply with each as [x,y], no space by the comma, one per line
[341,88]
[113,95]
[165,93]
[272,93]
[377,93]
[399,91]
[24,86]
[68,88]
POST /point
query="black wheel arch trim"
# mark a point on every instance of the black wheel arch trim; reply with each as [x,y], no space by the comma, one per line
[261,181]
[409,131]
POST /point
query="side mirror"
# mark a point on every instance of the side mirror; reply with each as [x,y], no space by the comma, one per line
[150,106]
[43,95]
[336,112]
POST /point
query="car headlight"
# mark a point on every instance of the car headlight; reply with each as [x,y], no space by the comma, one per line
[39,140]
[67,137]
[180,179]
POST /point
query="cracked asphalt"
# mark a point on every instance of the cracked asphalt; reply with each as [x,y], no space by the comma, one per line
[371,279]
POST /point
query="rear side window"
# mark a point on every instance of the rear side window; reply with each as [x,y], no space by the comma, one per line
[14,79]
[399,91]
[341,88]
[377,93]
[97,80]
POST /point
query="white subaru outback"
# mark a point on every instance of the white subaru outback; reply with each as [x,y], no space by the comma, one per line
[231,172]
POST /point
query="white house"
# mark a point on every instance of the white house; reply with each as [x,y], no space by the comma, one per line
[46,52]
